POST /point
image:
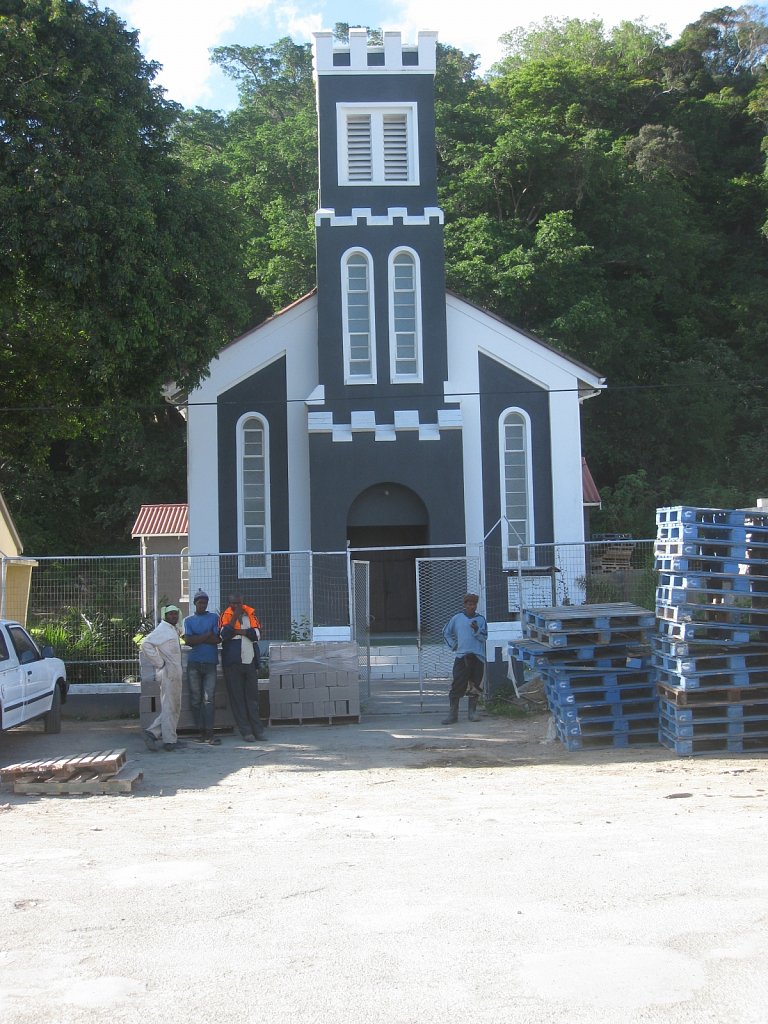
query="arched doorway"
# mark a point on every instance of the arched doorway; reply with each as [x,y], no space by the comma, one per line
[390,516]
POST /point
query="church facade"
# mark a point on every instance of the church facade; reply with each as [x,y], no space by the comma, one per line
[382,411]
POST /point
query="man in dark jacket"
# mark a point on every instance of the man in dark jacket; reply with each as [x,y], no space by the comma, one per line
[240,658]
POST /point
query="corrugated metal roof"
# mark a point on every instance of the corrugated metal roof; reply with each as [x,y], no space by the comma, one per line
[162,521]
[589,492]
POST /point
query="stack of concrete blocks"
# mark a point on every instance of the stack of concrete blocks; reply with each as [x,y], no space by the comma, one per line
[149,701]
[314,680]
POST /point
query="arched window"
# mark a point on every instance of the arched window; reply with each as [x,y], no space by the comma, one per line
[516,486]
[404,317]
[253,512]
[359,328]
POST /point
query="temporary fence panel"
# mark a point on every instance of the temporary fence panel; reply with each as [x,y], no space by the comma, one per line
[441,584]
[360,603]
[551,575]
[93,609]
[89,611]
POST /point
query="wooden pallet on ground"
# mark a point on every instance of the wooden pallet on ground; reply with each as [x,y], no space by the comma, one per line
[103,771]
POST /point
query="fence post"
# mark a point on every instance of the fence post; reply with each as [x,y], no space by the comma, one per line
[3,585]
[155,589]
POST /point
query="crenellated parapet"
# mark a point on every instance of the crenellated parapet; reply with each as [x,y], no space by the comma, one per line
[357,57]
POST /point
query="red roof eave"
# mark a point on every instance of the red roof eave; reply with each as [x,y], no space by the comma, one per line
[162,521]
[589,492]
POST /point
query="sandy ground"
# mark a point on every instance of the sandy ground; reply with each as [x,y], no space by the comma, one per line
[393,871]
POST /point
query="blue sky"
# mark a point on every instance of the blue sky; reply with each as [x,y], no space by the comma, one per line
[180,33]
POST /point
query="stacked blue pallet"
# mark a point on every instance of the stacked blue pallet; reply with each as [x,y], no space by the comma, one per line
[710,651]
[598,676]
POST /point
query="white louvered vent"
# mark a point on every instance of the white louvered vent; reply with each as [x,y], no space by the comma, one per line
[359,154]
[395,147]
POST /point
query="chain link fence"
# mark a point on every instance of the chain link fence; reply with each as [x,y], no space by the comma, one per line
[441,584]
[361,622]
[94,610]
[550,575]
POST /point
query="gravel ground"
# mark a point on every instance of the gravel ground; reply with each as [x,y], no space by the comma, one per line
[393,871]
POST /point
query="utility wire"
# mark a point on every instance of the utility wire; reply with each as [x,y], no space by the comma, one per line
[450,399]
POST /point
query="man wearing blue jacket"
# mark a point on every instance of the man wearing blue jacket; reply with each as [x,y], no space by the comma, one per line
[466,634]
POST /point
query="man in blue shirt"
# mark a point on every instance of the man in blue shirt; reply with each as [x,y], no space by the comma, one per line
[201,635]
[466,634]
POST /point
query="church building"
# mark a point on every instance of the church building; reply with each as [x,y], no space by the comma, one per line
[381,410]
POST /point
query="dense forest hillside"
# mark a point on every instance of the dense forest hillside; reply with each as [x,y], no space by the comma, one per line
[605,190]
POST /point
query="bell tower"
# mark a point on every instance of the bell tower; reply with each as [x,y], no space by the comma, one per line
[381,277]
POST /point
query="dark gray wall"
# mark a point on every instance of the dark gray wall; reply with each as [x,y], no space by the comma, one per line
[502,388]
[380,242]
[375,88]
[264,393]
[342,471]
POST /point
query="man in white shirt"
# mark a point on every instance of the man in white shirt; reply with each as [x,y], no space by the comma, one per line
[162,648]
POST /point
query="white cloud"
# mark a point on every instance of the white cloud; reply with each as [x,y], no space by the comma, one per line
[299,24]
[475,28]
[179,35]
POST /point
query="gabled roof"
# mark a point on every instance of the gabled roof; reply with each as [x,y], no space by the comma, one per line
[527,334]
[162,521]
[589,492]
[270,319]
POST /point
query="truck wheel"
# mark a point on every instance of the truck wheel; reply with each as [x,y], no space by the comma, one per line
[52,720]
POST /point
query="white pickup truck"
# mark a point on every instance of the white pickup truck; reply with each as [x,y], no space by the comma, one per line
[33,684]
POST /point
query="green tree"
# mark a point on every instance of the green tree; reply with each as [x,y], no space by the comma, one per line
[119,264]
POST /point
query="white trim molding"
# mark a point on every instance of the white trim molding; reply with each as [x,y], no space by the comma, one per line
[405,322]
[523,453]
[246,529]
[431,215]
[358,316]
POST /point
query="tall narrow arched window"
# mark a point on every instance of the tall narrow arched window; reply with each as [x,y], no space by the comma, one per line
[358,320]
[253,512]
[516,486]
[404,317]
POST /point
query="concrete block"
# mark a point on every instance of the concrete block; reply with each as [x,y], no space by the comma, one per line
[344,692]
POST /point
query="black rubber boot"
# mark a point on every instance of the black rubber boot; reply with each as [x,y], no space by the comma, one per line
[453,714]
[473,715]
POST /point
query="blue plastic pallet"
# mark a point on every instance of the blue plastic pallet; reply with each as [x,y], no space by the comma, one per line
[643,738]
[693,514]
[532,652]
[708,695]
[715,632]
[695,648]
[714,615]
[714,744]
[723,677]
[752,554]
[708,660]
[723,729]
[578,618]
[710,582]
[731,533]
[713,713]
[562,690]
[625,709]
[699,565]
[713,597]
